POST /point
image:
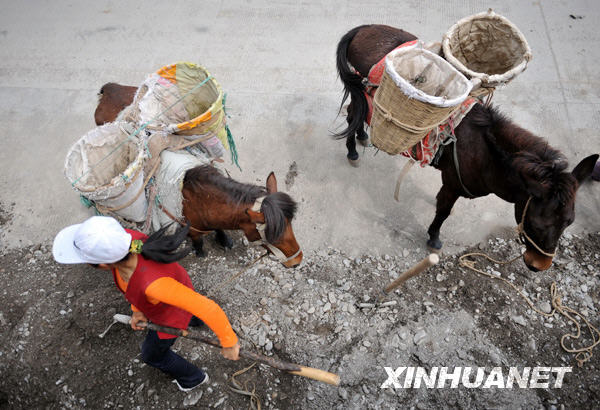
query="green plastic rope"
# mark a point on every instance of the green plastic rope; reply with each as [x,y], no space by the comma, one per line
[88,203]
[230,140]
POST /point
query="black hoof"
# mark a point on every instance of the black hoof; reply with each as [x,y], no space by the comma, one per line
[200,253]
[355,163]
[364,141]
[224,240]
[434,245]
[352,156]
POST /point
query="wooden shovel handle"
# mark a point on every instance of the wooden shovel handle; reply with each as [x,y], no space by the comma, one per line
[311,373]
[427,262]
[318,374]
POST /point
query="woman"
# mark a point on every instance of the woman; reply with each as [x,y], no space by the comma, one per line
[158,288]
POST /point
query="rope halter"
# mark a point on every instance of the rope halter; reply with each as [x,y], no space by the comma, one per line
[523,234]
[261,228]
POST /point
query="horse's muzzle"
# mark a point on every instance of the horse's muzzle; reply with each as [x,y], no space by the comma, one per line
[535,261]
[293,263]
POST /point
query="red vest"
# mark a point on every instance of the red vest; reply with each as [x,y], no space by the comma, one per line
[146,272]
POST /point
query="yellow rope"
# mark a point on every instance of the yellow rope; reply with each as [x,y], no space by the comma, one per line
[239,388]
[583,354]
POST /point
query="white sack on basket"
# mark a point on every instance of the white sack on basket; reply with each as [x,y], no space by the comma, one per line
[409,63]
[169,182]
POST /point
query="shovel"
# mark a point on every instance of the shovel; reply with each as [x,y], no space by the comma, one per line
[310,372]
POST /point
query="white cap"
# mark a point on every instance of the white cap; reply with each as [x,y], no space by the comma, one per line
[100,239]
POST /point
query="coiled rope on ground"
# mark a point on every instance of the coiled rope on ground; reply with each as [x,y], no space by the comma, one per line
[583,354]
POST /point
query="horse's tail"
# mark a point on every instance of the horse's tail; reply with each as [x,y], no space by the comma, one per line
[353,86]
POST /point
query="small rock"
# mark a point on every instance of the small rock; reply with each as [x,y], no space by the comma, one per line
[519,320]
[420,337]
[440,278]
[219,402]
[545,307]
[346,263]
[193,398]
[327,307]
[343,393]
[584,288]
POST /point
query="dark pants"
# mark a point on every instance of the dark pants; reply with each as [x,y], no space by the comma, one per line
[157,353]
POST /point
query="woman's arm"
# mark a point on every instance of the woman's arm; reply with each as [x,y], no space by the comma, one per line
[172,292]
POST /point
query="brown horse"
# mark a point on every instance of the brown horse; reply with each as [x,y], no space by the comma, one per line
[495,155]
[214,202]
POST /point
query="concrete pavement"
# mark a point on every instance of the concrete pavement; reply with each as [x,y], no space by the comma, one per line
[276,61]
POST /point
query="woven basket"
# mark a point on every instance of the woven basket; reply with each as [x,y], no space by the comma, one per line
[181,98]
[487,47]
[106,166]
[418,91]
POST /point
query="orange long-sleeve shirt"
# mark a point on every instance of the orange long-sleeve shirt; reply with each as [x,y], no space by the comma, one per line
[168,290]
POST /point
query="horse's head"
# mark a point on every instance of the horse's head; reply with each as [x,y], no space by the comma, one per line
[550,207]
[271,224]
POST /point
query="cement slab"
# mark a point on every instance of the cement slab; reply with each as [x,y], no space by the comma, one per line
[276,61]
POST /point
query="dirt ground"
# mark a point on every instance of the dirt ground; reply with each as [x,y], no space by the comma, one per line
[322,314]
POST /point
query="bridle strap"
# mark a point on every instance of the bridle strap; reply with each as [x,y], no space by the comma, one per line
[261,228]
[521,230]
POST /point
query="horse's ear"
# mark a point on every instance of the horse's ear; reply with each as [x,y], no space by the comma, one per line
[584,168]
[535,173]
[271,183]
[255,217]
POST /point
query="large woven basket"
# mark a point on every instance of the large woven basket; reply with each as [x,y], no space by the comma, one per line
[418,91]
[181,98]
[486,47]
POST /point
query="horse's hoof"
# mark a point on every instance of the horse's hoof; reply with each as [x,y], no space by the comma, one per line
[364,142]
[200,253]
[434,246]
[354,162]
[224,240]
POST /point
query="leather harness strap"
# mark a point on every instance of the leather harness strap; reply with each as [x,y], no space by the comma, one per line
[261,228]
[179,221]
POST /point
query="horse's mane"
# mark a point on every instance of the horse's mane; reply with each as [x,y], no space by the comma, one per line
[533,159]
[276,207]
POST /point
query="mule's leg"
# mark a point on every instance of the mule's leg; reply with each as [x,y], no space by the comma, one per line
[223,239]
[445,201]
[362,137]
[350,139]
[198,245]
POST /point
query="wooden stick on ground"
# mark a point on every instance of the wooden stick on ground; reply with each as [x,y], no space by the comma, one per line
[427,262]
[310,372]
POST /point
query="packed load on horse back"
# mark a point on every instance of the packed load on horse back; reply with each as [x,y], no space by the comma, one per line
[419,93]
[133,168]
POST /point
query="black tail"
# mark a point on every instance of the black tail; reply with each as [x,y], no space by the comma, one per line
[353,86]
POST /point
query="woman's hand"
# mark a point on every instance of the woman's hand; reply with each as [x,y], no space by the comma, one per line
[137,317]
[231,353]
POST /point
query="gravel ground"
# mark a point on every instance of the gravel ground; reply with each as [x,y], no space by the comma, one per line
[329,313]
